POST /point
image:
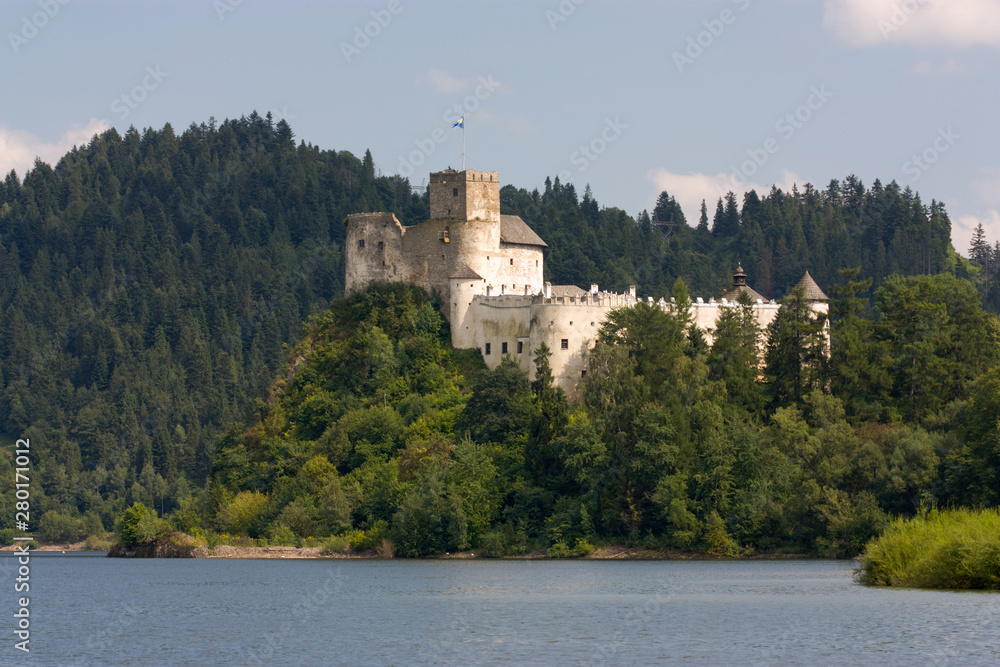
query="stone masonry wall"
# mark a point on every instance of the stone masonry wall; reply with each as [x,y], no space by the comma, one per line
[465,195]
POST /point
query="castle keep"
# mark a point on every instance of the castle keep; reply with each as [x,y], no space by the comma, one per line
[488,269]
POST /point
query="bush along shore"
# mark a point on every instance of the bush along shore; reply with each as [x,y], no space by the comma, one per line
[141,534]
[947,549]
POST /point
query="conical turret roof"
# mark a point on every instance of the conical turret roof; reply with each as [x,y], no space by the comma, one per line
[810,289]
[739,286]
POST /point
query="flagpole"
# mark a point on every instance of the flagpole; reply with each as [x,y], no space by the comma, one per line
[463,144]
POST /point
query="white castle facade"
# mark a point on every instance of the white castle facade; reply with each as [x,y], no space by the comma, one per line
[488,269]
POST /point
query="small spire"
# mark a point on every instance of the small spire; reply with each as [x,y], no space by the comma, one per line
[740,277]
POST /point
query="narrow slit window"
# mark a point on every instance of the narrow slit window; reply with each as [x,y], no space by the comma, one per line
[487,348]
[520,347]
[503,348]
[564,344]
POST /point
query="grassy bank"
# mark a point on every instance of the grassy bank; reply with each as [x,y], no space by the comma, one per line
[942,549]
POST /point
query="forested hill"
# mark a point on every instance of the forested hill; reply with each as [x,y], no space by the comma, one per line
[148,283]
[884,230]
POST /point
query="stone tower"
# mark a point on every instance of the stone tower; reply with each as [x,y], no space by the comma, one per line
[465,195]
[464,240]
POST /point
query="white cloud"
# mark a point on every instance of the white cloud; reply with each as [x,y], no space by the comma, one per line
[963,226]
[988,187]
[18,148]
[689,189]
[920,22]
[443,82]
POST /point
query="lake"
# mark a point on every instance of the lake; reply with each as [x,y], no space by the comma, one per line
[87,609]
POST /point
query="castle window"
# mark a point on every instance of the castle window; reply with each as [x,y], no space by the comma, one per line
[381,246]
[583,374]
[361,243]
[520,347]
[536,263]
[487,348]
[454,192]
[571,322]
[564,344]
[591,324]
[512,261]
[503,348]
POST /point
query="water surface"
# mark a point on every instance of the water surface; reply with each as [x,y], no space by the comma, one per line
[90,610]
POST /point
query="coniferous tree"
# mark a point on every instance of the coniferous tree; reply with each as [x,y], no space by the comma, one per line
[734,357]
[859,362]
[703,218]
[795,352]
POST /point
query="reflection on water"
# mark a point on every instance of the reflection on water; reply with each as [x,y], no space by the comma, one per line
[88,610]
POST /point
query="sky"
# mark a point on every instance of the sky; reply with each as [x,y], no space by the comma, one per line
[632,98]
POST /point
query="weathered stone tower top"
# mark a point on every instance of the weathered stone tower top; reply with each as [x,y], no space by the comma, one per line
[465,195]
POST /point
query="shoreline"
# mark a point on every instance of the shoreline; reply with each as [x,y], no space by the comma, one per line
[224,551]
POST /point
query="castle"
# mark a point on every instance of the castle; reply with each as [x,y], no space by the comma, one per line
[487,268]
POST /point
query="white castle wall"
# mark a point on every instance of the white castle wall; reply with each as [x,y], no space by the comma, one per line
[532,320]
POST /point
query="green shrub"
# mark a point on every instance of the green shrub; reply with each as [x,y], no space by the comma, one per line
[431,519]
[335,545]
[58,526]
[503,541]
[956,549]
[583,547]
[368,540]
[297,518]
[243,514]
[355,538]
[283,536]
[559,550]
[717,539]
[6,537]
[97,542]
[138,525]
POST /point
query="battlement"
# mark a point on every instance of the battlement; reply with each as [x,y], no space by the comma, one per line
[465,195]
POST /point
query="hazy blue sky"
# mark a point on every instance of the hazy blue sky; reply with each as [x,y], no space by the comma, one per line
[632,98]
